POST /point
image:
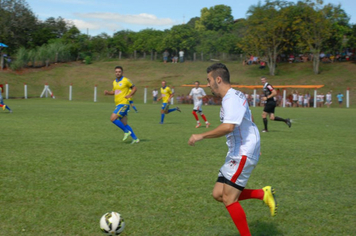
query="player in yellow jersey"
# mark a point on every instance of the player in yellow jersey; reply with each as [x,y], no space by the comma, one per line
[123,89]
[2,105]
[166,95]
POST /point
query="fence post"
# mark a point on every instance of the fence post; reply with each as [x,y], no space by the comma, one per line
[348,98]
[315,94]
[70,92]
[202,56]
[254,97]
[172,99]
[195,56]
[120,54]
[135,55]
[284,96]
[25,90]
[144,55]
[7,90]
[155,56]
[145,95]
[151,55]
[95,93]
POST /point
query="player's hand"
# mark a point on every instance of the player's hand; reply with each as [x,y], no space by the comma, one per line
[194,138]
[264,98]
[128,96]
[106,92]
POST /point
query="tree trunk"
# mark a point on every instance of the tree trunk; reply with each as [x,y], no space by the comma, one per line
[316,61]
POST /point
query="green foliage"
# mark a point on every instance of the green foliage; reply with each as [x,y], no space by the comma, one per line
[216,18]
[87,60]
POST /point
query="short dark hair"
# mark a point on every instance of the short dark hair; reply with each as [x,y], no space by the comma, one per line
[197,82]
[219,69]
[119,67]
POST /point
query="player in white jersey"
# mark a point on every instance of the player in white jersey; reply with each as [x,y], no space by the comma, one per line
[328,99]
[197,94]
[243,141]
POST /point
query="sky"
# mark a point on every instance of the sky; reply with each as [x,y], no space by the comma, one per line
[109,16]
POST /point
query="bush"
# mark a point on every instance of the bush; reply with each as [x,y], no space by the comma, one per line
[87,60]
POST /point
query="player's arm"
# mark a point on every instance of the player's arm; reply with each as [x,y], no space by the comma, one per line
[273,94]
[133,91]
[106,92]
[219,131]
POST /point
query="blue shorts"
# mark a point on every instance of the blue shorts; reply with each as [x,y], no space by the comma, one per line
[165,106]
[121,110]
[130,101]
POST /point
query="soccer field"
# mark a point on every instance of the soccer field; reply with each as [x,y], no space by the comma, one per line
[63,165]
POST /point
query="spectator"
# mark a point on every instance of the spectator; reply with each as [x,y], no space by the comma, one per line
[165,56]
[155,95]
[300,100]
[328,99]
[181,56]
[291,58]
[340,98]
[295,98]
[262,65]
[174,59]
[250,61]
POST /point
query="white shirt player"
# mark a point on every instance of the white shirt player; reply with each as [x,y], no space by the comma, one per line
[245,139]
[197,94]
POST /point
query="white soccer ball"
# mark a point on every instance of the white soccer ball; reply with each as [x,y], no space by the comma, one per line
[112,223]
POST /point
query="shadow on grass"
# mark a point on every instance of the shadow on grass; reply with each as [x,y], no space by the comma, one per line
[259,228]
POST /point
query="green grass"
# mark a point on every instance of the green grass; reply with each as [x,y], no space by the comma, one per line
[63,165]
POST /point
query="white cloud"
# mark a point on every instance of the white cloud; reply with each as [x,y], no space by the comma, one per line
[140,19]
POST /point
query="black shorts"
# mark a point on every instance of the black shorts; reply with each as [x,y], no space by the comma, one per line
[269,107]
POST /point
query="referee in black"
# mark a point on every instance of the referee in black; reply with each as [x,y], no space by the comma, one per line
[270,104]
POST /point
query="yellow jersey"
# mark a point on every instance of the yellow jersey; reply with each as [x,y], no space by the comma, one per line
[166,93]
[122,88]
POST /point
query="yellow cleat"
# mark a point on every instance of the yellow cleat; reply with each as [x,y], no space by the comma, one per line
[270,200]
[4,107]
[126,135]
[135,141]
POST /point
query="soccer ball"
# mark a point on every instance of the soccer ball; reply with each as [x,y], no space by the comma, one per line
[112,223]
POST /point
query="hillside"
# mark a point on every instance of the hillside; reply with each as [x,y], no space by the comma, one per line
[336,77]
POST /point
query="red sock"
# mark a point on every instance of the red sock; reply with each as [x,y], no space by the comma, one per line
[251,193]
[238,216]
[203,116]
[195,115]
[1,105]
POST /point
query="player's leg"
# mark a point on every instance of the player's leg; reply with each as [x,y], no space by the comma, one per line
[194,112]
[265,122]
[132,134]
[276,118]
[163,112]
[3,106]
[237,213]
[117,115]
[133,106]
[207,124]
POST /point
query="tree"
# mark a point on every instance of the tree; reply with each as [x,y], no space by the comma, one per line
[215,18]
[181,37]
[267,30]
[315,27]
[17,22]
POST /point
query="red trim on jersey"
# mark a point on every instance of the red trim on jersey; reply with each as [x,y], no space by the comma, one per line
[270,88]
[239,169]
[244,103]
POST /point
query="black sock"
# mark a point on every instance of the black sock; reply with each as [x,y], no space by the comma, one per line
[265,123]
[279,119]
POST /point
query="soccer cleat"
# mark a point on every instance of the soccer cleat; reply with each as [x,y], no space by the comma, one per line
[288,122]
[4,107]
[126,135]
[178,109]
[135,141]
[161,123]
[207,125]
[264,131]
[270,200]
[198,125]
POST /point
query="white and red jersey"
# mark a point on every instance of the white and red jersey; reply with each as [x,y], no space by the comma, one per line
[197,94]
[245,139]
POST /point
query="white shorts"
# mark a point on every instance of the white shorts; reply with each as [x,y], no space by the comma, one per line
[198,105]
[237,170]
